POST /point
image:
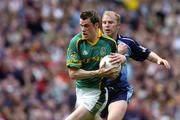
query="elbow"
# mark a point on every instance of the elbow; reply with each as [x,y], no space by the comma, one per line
[72,74]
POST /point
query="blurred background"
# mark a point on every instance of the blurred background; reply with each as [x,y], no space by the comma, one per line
[34,35]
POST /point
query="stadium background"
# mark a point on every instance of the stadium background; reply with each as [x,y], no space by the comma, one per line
[34,34]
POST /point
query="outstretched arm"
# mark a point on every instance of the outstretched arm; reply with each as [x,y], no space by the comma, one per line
[153,57]
[140,53]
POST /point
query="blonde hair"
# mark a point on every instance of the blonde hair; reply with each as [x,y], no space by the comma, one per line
[109,13]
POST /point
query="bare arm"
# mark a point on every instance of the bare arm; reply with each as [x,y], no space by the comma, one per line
[153,57]
[82,74]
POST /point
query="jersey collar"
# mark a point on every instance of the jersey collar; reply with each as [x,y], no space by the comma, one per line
[99,35]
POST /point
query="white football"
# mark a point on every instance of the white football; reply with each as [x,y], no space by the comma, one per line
[108,64]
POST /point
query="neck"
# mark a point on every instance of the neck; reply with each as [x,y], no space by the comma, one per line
[114,36]
[94,37]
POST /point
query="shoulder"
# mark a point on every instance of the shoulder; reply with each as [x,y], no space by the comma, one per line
[110,42]
[105,37]
[127,40]
[131,42]
[76,38]
[74,42]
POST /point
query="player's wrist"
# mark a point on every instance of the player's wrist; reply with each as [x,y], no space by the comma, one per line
[99,73]
[125,59]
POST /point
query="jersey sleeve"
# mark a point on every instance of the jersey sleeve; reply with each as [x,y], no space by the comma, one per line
[135,50]
[138,52]
[73,58]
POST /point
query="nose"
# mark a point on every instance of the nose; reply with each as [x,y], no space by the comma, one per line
[83,29]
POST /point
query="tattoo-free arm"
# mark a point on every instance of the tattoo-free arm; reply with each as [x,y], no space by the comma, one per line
[81,74]
[153,57]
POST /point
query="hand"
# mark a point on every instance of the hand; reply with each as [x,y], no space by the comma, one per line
[117,58]
[107,72]
[163,62]
[114,76]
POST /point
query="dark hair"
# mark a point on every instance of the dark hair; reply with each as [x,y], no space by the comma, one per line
[92,14]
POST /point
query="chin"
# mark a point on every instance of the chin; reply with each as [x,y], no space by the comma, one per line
[108,34]
[84,37]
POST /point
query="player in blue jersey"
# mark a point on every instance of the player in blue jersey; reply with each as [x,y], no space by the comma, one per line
[119,90]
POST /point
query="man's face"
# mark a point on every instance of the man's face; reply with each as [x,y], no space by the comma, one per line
[88,29]
[110,25]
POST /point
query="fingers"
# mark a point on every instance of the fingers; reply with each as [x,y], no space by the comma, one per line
[165,63]
[110,71]
[115,61]
[116,58]
[114,70]
[103,65]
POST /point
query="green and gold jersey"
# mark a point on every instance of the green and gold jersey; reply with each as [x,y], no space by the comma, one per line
[84,55]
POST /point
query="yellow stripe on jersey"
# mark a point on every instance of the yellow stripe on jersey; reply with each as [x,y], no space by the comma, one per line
[78,43]
[99,35]
[107,37]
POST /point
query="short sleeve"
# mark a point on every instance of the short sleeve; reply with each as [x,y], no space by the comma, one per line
[139,52]
[135,50]
[73,58]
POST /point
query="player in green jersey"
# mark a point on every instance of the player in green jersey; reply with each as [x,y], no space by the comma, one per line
[83,57]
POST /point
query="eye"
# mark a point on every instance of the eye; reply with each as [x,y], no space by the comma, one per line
[110,22]
[86,25]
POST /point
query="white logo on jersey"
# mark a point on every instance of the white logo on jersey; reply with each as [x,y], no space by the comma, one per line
[85,52]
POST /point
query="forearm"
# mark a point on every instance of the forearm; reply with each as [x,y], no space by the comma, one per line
[82,74]
[153,57]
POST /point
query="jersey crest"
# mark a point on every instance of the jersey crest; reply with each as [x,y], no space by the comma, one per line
[103,51]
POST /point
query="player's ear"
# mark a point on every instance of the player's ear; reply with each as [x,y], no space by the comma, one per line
[96,25]
[118,25]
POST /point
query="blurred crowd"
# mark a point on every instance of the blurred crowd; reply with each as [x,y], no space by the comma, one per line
[34,35]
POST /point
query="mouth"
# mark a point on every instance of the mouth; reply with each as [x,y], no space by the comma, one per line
[107,30]
[85,34]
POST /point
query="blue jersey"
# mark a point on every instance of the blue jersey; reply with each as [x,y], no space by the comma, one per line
[120,89]
[136,52]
